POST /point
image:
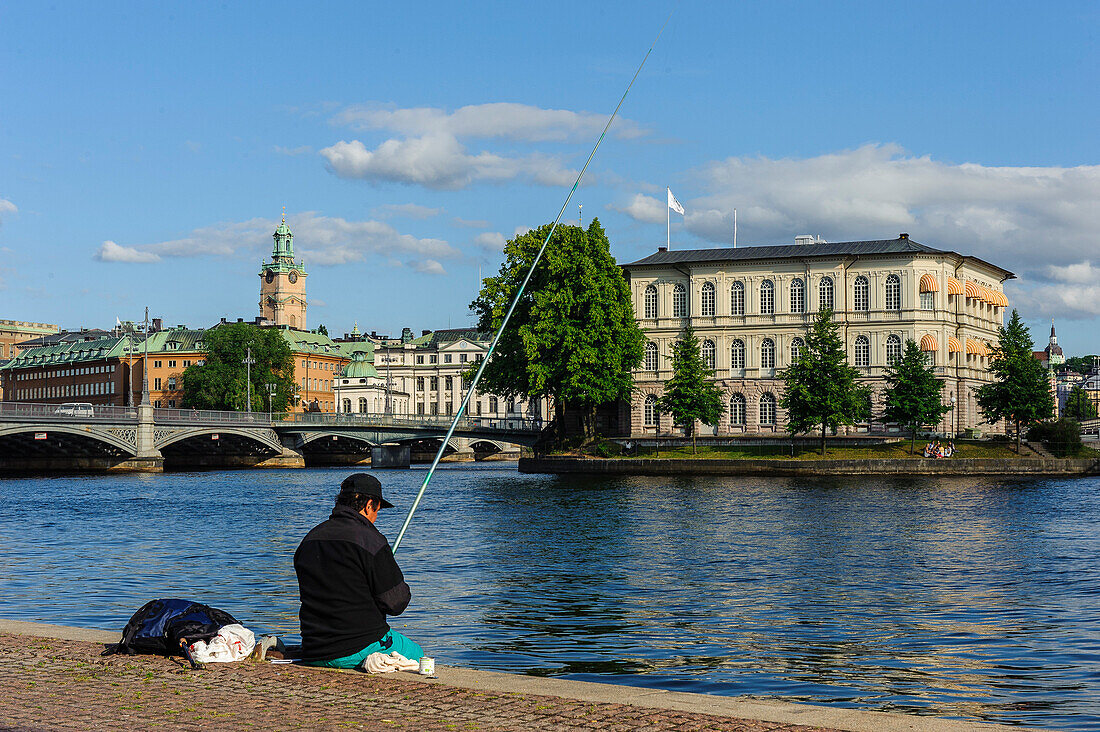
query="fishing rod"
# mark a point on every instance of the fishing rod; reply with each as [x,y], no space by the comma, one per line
[519,293]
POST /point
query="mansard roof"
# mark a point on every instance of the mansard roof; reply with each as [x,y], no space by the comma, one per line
[901,245]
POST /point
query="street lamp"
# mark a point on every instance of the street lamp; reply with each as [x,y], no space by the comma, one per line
[954,418]
[248,361]
[271,387]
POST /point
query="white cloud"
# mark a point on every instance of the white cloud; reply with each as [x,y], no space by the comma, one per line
[320,240]
[7,206]
[492,241]
[406,210]
[1082,273]
[521,122]
[429,266]
[441,162]
[111,252]
[644,208]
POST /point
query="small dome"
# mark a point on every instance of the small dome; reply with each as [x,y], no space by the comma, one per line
[359,367]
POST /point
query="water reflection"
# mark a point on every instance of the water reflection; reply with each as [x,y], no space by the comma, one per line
[970,598]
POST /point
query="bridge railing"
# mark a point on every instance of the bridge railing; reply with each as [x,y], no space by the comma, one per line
[416,421]
[74,412]
[210,416]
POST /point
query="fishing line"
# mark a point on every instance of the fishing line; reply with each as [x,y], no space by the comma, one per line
[519,294]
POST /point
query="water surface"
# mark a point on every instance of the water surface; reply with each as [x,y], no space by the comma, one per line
[970,598]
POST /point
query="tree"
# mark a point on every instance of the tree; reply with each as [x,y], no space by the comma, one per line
[1021,392]
[1080,364]
[220,382]
[913,393]
[820,387]
[322,329]
[573,337]
[689,394]
[1078,405]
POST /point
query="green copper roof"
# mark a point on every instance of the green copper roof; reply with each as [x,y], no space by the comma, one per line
[309,342]
[359,367]
[176,339]
[364,347]
[69,353]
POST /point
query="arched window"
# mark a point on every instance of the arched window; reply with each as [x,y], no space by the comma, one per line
[825,299]
[737,409]
[767,297]
[706,301]
[679,302]
[651,357]
[492,405]
[362,404]
[737,355]
[347,405]
[767,408]
[797,345]
[737,298]
[863,351]
[893,292]
[861,294]
[649,415]
[798,296]
[767,354]
[708,353]
[893,349]
[651,302]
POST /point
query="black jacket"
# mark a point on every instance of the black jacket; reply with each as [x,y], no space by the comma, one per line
[348,582]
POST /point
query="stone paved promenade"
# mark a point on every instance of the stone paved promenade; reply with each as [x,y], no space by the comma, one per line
[53,678]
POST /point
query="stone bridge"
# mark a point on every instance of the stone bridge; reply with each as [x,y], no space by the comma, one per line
[65,437]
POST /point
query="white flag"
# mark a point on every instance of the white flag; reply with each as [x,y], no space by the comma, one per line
[673,203]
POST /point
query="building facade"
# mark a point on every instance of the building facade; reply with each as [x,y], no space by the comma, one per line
[89,372]
[283,283]
[318,361]
[751,308]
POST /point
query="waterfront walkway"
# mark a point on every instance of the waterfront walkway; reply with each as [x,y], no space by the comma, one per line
[53,678]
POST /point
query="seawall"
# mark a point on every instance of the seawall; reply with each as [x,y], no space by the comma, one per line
[873,466]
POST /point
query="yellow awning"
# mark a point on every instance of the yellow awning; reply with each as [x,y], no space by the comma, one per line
[928,343]
[928,283]
[971,290]
[953,345]
[954,286]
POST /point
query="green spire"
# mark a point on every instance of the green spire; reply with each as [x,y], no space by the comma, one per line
[284,240]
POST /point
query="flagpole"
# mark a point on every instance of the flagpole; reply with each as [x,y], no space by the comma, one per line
[668,220]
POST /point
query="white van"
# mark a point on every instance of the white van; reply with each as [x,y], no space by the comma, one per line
[75,409]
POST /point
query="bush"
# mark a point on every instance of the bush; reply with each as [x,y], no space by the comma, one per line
[999,437]
[1062,438]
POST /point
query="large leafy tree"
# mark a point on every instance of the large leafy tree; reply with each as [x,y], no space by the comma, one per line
[1078,405]
[573,337]
[821,389]
[1080,364]
[1021,391]
[220,382]
[691,394]
[913,393]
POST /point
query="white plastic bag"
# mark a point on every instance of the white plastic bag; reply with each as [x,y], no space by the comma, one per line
[384,663]
[232,643]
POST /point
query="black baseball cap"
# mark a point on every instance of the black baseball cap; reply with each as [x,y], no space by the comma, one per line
[364,484]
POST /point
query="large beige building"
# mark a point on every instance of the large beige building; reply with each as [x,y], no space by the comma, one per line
[751,308]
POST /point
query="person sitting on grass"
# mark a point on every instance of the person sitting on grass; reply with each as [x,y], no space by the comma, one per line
[348,582]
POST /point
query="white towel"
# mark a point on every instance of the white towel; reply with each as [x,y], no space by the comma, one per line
[385,663]
[232,643]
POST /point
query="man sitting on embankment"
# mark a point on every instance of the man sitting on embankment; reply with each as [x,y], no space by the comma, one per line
[349,582]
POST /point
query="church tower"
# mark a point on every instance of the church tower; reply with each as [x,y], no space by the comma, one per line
[1054,352]
[283,282]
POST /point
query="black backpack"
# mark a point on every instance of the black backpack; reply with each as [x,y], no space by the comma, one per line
[160,625]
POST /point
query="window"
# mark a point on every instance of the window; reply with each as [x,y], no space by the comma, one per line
[796,349]
[708,353]
[863,352]
[435,408]
[346,405]
[420,359]
[649,416]
[767,297]
[893,349]
[893,292]
[737,298]
[767,408]
[420,408]
[157,403]
[861,294]
[492,405]
[435,383]
[767,354]
[798,296]
[433,358]
[651,357]
[448,384]
[156,364]
[156,383]
[928,301]
[737,409]
[462,357]
[706,303]
[650,300]
[420,383]
[186,362]
[450,408]
[737,355]
[171,364]
[477,407]
[362,404]
[171,383]
[825,299]
[679,301]
[171,403]
[447,358]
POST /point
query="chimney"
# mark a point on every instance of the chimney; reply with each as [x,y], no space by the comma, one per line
[804,239]
[662,248]
[903,236]
[425,332]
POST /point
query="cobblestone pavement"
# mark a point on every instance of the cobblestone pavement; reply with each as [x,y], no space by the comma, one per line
[48,684]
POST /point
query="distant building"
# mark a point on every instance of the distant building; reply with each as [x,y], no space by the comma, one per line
[283,283]
[93,371]
[171,352]
[1051,357]
[15,332]
[751,308]
[318,361]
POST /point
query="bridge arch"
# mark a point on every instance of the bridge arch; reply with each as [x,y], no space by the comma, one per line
[106,441]
[242,438]
[314,437]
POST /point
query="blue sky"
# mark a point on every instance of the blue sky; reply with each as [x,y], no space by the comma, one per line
[146,150]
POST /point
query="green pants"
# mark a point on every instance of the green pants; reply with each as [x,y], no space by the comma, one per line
[390,642]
